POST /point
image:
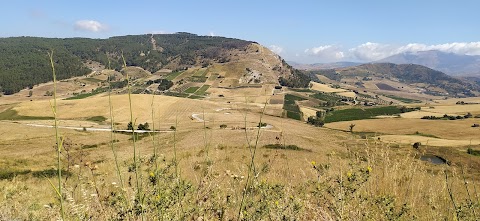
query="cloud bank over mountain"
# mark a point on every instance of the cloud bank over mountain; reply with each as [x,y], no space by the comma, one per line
[371,51]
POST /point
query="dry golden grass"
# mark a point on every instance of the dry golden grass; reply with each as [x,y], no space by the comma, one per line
[325,88]
[307,112]
[347,94]
[430,141]
[453,101]
[166,107]
[446,129]
[421,113]
[455,109]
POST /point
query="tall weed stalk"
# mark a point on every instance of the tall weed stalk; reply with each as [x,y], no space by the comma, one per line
[251,168]
[112,126]
[135,164]
[57,137]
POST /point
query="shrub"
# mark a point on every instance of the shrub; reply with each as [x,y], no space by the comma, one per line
[315,121]
[262,124]
[416,145]
[144,126]
[285,147]
[473,152]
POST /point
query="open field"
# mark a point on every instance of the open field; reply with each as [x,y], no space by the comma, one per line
[325,88]
[446,129]
[347,94]
[429,141]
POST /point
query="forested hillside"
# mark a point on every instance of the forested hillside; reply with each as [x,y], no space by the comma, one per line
[24,60]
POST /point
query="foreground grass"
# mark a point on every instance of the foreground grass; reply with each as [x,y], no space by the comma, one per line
[366,181]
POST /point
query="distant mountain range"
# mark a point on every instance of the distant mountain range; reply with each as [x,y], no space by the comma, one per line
[320,66]
[412,74]
[449,63]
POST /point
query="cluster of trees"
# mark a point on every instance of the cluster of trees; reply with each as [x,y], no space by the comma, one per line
[25,62]
[144,126]
[318,119]
[449,117]
[164,84]
[118,84]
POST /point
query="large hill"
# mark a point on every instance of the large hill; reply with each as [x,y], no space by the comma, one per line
[449,63]
[24,60]
[413,74]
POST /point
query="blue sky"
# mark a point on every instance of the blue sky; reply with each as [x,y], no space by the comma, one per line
[301,31]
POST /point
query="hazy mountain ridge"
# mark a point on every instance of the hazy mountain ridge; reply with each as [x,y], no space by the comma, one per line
[412,74]
[449,63]
[321,66]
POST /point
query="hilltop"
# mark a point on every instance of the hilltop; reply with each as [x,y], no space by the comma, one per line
[25,59]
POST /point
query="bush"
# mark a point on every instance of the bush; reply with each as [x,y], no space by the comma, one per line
[473,152]
[223,126]
[262,124]
[285,147]
[416,145]
[144,126]
[315,121]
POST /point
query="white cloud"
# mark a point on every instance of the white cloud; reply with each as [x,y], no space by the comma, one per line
[327,53]
[468,48]
[371,51]
[90,25]
[276,49]
[211,34]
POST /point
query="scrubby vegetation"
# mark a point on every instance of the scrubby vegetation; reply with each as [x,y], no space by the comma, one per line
[448,117]
[297,78]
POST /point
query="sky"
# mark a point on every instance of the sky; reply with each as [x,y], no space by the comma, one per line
[304,31]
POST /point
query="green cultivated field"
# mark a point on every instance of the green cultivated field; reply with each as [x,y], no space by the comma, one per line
[173,75]
[359,114]
[402,99]
[191,90]
[202,90]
